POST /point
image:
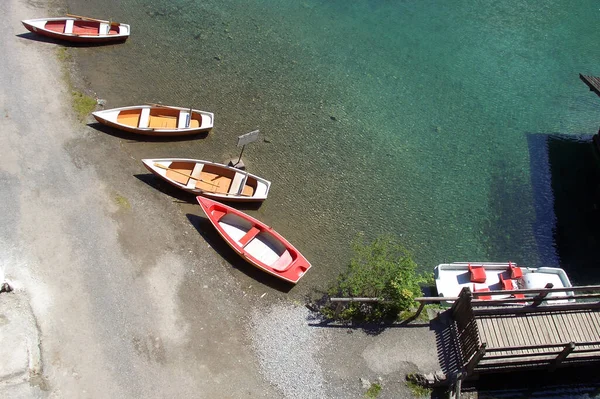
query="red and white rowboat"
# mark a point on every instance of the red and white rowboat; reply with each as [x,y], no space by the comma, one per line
[74,28]
[256,242]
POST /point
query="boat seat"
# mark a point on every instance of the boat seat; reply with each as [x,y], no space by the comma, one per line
[477,274]
[249,236]
[507,284]
[68,26]
[144,118]
[236,184]
[196,175]
[515,272]
[217,215]
[283,262]
[482,289]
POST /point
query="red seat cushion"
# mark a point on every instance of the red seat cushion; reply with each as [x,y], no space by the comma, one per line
[515,271]
[477,274]
[482,289]
[507,284]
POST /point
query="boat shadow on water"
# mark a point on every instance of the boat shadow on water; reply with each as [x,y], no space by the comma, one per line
[38,38]
[212,237]
[182,196]
[142,137]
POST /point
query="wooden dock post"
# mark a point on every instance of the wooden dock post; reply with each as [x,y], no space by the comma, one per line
[475,359]
[539,298]
[562,356]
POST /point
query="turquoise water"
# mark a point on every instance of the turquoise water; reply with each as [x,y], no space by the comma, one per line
[425,119]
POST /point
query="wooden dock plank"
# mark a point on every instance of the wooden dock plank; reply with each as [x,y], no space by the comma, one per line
[536,323]
[508,332]
[595,319]
[586,327]
[570,327]
[499,334]
[525,337]
[557,327]
[595,324]
[534,327]
[492,341]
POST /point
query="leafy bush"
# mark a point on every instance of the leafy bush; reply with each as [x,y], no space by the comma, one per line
[382,269]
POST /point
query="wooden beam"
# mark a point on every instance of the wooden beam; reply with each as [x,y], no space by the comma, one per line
[542,295]
[529,309]
[562,356]
[475,359]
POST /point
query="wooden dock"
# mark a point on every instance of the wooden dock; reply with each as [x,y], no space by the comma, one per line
[593,82]
[502,336]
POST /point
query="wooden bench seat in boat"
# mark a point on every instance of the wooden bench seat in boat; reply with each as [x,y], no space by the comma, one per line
[253,232]
[239,186]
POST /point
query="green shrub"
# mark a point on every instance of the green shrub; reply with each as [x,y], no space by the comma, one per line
[382,269]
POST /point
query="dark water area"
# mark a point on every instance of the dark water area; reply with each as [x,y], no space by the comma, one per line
[567,383]
[403,118]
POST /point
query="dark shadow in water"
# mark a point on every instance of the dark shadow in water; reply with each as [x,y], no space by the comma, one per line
[503,232]
[541,184]
[183,196]
[39,38]
[565,182]
[575,176]
[214,239]
[576,382]
[142,137]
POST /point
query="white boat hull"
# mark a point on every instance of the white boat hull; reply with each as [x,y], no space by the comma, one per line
[451,278]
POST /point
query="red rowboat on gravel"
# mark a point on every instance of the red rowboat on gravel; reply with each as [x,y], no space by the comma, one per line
[256,242]
[74,28]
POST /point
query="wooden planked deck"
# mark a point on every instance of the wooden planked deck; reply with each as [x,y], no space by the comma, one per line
[533,329]
[593,82]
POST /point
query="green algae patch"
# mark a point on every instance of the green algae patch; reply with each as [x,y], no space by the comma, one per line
[122,202]
[373,391]
[418,390]
[82,104]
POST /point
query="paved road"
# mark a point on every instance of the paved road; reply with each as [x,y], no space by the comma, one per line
[126,296]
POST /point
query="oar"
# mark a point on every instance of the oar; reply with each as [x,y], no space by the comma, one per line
[93,19]
[184,174]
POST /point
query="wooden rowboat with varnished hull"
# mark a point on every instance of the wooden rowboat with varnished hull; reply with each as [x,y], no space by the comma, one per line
[79,29]
[210,179]
[157,120]
[256,242]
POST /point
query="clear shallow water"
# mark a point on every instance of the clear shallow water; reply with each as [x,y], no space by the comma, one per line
[429,120]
